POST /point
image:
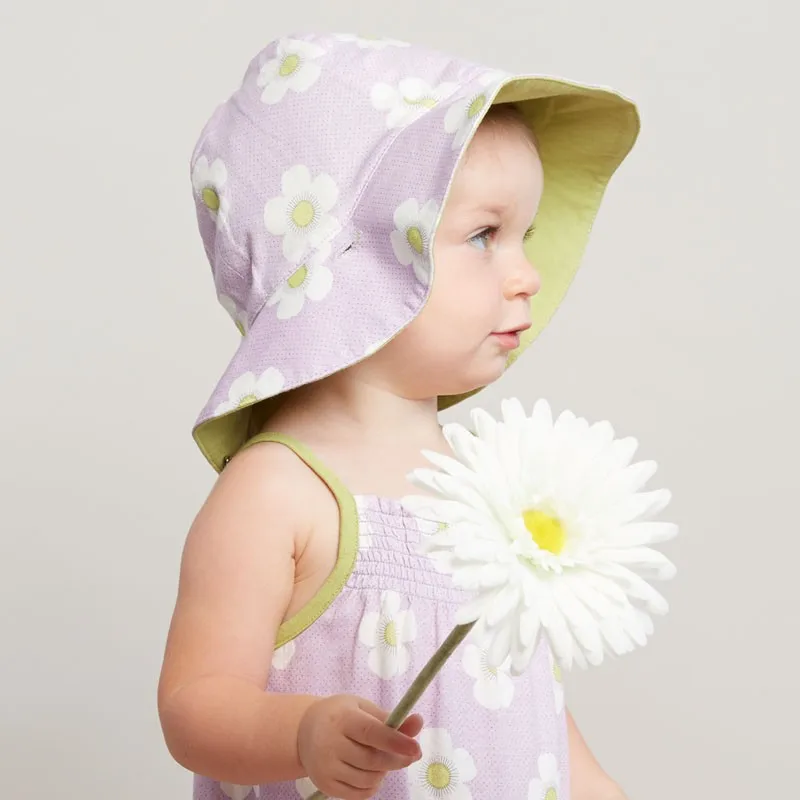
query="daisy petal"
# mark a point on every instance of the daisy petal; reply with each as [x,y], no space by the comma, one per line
[643,533]
[643,558]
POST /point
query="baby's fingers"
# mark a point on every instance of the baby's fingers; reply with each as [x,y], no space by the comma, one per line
[411,725]
[372,760]
[367,729]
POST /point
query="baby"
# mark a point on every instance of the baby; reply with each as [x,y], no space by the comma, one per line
[389,227]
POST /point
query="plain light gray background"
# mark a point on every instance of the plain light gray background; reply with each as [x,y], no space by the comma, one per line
[682,329]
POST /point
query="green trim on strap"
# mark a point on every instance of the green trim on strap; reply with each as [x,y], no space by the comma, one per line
[348,540]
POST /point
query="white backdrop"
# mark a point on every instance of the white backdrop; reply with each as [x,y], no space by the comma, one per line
[682,329]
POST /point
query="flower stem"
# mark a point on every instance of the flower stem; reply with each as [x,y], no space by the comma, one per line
[421,682]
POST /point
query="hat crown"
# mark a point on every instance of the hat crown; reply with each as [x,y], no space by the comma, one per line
[282,164]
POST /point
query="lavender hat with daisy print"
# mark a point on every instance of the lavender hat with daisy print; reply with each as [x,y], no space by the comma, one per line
[319,185]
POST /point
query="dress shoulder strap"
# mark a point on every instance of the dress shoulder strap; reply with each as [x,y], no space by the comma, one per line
[348,538]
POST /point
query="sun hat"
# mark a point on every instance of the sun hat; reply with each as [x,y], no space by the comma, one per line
[319,184]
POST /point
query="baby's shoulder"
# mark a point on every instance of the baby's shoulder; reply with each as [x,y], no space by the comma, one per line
[268,476]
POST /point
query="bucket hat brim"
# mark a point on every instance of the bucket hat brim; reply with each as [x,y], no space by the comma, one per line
[583,134]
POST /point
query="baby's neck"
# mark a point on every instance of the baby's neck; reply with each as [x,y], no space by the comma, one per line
[370,438]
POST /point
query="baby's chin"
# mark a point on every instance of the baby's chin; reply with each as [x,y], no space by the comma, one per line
[474,380]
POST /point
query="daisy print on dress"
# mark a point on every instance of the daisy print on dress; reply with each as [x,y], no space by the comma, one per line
[300,215]
[247,389]
[548,785]
[443,771]
[411,238]
[462,116]
[365,530]
[236,792]
[558,682]
[236,314]
[312,280]
[367,43]
[411,98]
[294,68]
[208,181]
[387,633]
[305,787]
[282,656]
[493,687]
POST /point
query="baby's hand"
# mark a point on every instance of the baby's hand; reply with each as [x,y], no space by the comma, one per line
[346,749]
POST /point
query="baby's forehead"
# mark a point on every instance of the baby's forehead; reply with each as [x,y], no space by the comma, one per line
[492,176]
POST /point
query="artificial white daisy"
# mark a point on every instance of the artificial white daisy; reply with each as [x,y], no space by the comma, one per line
[208,182]
[443,771]
[312,280]
[462,115]
[238,315]
[387,633]
[411,98]
[294,68]
[247,389]
[548,785]
[283,655]
[367,43]
[411,239]
[493,687]
[300,215]
[547,529]
[236,792]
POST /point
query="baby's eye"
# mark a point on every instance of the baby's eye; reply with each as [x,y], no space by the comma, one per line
[482,238]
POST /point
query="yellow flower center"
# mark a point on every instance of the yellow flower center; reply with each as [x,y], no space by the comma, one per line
[390,634]
[551,794]
[415,239]
[557,672]
[247,400]
[298,277]
[438,775]
[476,105]
[546,531]
[211,198]
[240,327]
[289,65]
[303,214]
[425,102]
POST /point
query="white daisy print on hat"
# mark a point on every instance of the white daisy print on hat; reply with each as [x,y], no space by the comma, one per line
[368,43]
[247,389]
[293,68]
[236,792]
[411,98]
[300,215]
[412,237]
[462,115]
[548,785]
[493,687]
[208,181]
[443,771]
[386,633]
[236,314]
[312,280]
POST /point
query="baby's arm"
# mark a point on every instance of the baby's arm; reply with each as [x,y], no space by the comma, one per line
[237,575]
[587,778]
[237,578]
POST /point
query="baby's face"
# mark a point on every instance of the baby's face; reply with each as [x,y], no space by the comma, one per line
[483,280]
